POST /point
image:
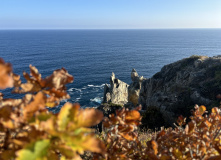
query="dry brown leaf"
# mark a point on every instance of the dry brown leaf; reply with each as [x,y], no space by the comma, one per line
[58,79]
[191,125]
[132,115]
[37,104]
[30,87]
[89,117]
[5,112]
[6,79]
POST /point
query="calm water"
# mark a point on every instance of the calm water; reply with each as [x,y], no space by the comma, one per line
[92,55]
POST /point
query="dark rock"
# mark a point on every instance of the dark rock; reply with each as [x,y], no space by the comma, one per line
[181,85]
[174,90]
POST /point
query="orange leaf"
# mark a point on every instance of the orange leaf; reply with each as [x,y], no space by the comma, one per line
[89,117]
[6,79]
[34,72]
[191,125]
[128,136]
[215,110]
[37,104]
[30,87]
[161,133]
[154,146]
[8,124]
[181,120]
[58,79]
[205,124]
[132,115]
[17,80]
[202,110]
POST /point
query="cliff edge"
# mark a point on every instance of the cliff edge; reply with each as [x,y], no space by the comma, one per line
[175,89]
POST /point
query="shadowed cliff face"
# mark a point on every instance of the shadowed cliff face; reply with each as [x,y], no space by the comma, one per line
[181,85]
[178,86]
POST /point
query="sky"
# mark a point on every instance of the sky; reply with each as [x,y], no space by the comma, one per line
[109,14]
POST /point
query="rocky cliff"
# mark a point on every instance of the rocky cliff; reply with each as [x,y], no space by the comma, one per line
[121,93]
[175,89]
[116,92]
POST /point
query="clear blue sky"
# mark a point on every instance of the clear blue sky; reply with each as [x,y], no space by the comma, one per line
[109,14]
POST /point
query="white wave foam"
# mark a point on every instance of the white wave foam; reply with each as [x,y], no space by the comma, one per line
[97,100]
[72,89]
[97,86]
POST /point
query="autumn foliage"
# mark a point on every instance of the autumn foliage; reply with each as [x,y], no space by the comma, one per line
[28,131]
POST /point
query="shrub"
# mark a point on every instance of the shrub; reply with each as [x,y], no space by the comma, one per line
[29,131]
[199,139]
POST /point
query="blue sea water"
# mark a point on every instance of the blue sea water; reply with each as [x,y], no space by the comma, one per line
[92,55]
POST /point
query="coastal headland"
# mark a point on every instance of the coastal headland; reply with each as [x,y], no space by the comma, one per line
[171,92]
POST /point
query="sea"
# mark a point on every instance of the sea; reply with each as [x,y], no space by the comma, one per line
[92,55]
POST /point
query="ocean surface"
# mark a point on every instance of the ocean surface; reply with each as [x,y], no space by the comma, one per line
[92,55]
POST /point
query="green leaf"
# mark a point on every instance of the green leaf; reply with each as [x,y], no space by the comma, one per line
[44,116]
[35,151]
[81,143]
[63,117]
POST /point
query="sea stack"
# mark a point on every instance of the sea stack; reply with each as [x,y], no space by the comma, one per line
[116,92]
[174,90]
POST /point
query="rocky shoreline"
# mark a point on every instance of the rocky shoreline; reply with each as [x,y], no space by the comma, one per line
[173,91]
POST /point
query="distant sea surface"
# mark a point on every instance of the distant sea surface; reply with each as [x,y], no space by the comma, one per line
[92,55]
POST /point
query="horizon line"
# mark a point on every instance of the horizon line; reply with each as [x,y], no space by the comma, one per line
[99,28]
